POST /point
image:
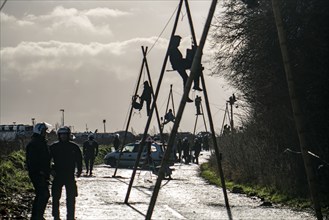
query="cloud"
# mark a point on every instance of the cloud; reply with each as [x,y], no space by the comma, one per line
[32,59]
[62,24]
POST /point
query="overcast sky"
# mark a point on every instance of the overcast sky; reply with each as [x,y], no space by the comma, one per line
[85,57]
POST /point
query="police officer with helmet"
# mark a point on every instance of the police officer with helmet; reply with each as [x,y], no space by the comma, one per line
[90,152]
[38,165]
[67,157]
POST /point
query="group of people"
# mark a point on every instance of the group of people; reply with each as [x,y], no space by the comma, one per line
[60,161]
[184,150]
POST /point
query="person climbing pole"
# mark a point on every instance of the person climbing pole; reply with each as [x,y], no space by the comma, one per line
[146,96]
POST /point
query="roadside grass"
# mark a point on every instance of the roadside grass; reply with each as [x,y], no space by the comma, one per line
[264,193]
[15,186]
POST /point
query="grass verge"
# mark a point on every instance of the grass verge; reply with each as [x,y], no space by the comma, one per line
[264,193]
[15,186]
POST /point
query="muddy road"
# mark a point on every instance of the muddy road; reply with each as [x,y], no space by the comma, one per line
[187,196]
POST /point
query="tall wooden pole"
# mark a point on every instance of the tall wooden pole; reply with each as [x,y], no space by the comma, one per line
[153,106]
[298,115]
[196,68]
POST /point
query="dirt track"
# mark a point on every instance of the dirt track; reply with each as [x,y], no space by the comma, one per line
[187,196]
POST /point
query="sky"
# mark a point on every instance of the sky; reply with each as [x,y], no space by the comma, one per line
[85,57]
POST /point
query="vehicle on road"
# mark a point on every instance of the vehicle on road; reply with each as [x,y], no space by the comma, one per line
[129,155]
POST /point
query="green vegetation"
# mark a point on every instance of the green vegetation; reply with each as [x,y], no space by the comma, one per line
[266,193]
[248,55]
[15,186]
[102,151]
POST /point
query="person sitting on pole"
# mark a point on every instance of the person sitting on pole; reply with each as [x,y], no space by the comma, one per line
[169,117]
[180,64]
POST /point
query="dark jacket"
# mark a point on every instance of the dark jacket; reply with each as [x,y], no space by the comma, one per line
[38,157]
[66,156]
[147,93]
[90,148]
[176,59]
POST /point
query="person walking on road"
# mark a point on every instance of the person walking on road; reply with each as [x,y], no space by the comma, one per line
[90,152]
[38,165]
[67,157]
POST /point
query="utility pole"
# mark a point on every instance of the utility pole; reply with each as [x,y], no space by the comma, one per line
[232,100]
[62,110]
[104,122]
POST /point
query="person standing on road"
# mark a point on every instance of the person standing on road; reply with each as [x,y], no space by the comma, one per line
[197,150]
[186,150]
[90,152]
[179,149]
[66,156]
[38,165]
[116,142]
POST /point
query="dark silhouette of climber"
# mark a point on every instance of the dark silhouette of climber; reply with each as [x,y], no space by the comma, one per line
[146,96]
[180,64]
[169,117]
[197,102]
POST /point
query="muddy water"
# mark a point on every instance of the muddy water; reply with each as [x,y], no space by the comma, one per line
[187,196]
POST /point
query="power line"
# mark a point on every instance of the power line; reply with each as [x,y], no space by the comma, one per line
[162,30]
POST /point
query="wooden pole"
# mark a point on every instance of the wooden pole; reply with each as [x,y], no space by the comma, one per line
[298,115]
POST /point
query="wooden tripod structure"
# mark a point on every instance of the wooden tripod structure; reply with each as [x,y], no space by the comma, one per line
[170,98]
[196,120]
[196,70]
[144,65]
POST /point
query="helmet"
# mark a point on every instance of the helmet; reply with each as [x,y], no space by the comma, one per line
[91,137]
[64,130]
[39,128]
[149,140]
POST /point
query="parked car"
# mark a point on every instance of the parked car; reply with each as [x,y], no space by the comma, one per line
[129,155]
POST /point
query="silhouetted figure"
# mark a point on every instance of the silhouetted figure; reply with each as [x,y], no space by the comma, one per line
[227,129]
[179,149]
[116,142]
[205,144]
[136,105]
[169,117]
[38,165]
[146,96]
[180,64]
[186,151]
[66,156]
[90,152]
[197,103]
[197,150]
